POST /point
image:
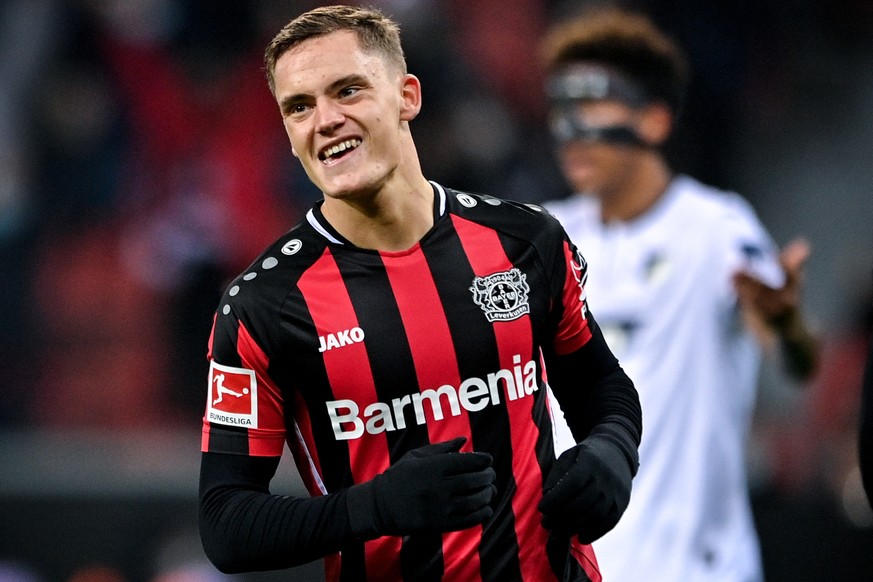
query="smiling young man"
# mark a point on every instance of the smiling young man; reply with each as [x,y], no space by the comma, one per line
[397,340]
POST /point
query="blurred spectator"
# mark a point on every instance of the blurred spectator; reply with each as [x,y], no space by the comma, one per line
[166,178]
[25,32]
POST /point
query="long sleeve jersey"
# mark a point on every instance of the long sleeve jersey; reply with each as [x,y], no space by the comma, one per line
[353,357]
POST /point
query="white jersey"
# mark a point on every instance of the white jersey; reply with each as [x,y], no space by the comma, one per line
[660,287]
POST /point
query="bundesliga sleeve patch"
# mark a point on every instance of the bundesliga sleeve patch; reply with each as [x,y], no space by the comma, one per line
[233,396]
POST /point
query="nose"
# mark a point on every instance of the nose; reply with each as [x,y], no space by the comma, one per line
[328,116]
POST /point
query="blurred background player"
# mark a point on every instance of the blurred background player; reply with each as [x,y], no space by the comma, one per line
[689,286]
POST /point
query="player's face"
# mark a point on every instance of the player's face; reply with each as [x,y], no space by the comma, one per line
[344,111]
[596,167]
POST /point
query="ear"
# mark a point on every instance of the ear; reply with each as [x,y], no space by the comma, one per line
[294,152]
[410,95]
[655,123]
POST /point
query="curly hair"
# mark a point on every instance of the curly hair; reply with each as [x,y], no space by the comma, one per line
[626,41]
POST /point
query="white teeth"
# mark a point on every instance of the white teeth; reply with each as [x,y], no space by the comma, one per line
[340,147]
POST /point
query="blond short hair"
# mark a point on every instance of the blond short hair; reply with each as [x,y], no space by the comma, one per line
[376,32]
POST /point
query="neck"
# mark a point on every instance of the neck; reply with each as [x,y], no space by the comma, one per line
[392,219]
[643,186]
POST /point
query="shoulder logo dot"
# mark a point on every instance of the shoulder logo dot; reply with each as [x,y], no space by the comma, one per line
[466,200]
[269,262]
[292,246]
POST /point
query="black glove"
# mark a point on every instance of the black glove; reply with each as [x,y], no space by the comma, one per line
[587,490]
[434,488]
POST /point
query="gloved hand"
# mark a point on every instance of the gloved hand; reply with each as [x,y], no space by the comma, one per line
[587,490]
[434,488]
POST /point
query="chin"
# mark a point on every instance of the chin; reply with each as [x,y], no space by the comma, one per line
[340,186]
[346,190]
[578,185]
[580,178]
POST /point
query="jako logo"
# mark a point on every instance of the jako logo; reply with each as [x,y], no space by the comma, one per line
[473,394]
[340,339]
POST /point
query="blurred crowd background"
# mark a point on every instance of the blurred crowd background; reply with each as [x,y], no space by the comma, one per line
[143,164]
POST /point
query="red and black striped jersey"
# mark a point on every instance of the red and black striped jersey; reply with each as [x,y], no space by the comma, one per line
[354,357]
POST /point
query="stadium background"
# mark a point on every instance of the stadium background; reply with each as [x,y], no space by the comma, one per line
[142,163]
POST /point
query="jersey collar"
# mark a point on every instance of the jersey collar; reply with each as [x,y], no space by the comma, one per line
[317,221]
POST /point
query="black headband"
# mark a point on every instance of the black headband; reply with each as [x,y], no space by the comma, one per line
[566,127]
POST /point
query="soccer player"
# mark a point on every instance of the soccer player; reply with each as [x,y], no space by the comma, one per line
[398,340]
[686,281]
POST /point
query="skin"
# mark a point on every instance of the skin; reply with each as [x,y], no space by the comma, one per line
[330,91]
[774,313]
[629,180]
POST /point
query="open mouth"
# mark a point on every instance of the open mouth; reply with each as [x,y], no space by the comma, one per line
[339,150]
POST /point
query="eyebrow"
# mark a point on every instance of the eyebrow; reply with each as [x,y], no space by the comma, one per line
[288,102]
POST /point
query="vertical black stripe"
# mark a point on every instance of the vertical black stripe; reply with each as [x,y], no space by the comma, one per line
[544,323]
[301,368]
[543,329]
[387,346]
[394,376]
[476,350]
[562,561]
[303,371]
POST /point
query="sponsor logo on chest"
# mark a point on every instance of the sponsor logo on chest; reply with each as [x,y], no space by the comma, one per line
[351,419]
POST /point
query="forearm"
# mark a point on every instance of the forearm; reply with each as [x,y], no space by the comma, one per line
[621,419]
[588,489]
[597,397]
[244,528]
[799,346]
